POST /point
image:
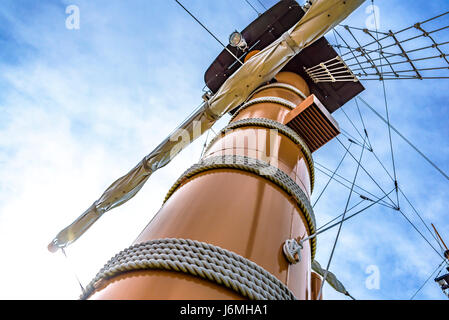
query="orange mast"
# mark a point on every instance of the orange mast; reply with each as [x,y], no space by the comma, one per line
[234,208]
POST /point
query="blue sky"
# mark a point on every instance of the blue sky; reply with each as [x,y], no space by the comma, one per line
[81,107]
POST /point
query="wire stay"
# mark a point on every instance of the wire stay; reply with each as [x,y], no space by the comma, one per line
[210,32]
[404,138]
[330,178]
[342,221]
[386,103]
[427,280]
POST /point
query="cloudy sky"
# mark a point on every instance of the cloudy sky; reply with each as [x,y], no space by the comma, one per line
[81,107]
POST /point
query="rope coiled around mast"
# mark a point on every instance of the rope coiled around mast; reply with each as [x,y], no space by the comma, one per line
[199,259]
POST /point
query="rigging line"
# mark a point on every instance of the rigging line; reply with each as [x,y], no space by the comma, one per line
[366,54]
[417,230]
[364,30]
[390,54]
[317,233]
[336,180]
[388,113]
[403,78]
[427,280]
[403,194]
[418,26]
[417,213]
[408,28]
[350,136]
[396,42]
[350,50]
[73,271]
[260,2]
[336,41]
[405,55]
[341,224]
[405,197]
[364,46]
[426,21]
[381,52]
[369,175]
[352,139]
[402,71]
[364,127]
[249,3]
[352,123]
[205,144]
[366,132]
[205,28]
[404,138]
[329,222]
[412,38]
[394,63]
[330,179]
[383,166]
[187,118]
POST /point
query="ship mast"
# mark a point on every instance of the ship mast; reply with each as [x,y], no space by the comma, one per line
[231,226]
[239,224]
[249,194]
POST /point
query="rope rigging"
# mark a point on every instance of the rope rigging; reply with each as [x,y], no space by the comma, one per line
[352,139]
[322,229]
[404,138]
[330,178]
[394,208]
[342,221]
[210,32]
[386,111]
[390,48]
[440,267]
[397,208]
[388,173]
[249,4]
[397,188]
[384,203]
[352,123]
[363,168]
[263,6]
[350,209]
[364,127]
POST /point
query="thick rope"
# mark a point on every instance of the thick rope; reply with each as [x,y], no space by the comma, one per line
[264,170]
[198,259]
[275,100]
[281,86]
[271,124]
